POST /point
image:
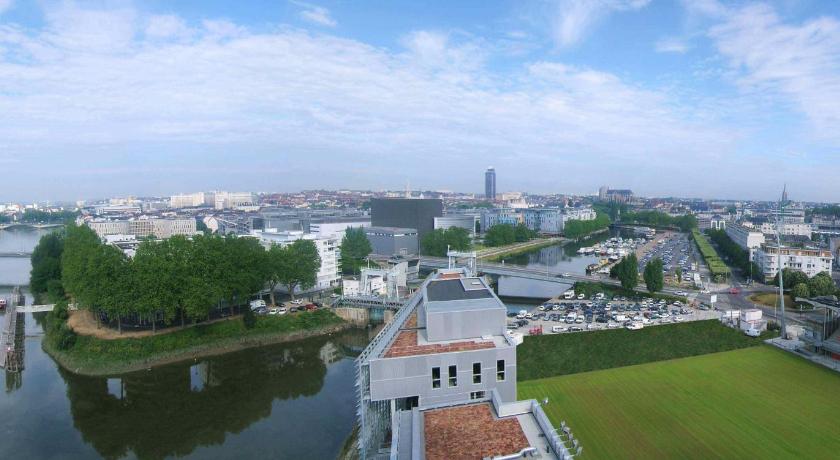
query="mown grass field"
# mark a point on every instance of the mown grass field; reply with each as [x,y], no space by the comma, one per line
[758,402]
[562,354]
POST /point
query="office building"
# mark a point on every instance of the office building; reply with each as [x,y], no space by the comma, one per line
[233,200]
[496,216]
[141,228]
[807,260]
[337,226]
[328,250]
[744,237]
[490,184]
[466,221]
[416,213]
[439,381]
[192,200]
[389,241]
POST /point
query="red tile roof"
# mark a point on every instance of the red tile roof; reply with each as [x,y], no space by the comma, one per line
[405,344]
[471,432]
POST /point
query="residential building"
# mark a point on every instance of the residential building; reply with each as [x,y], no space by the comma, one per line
[544,220]
[496,216]
[788,229]
[807,260]
[388,241]
[328,250]
[490,184]
[416,213]
[233,200]
[192,200]
[717,222]
[445,368]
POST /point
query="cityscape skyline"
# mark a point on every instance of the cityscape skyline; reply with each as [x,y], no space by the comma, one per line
[699,110]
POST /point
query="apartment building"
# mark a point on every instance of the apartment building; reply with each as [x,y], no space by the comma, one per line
[745,237]
[328,250]
[141,228]
[192,200]
[445,369]
[807,260]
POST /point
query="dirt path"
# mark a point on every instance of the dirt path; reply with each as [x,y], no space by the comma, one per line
[84,323]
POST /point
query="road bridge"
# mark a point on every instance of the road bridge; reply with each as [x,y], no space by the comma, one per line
[25,225]
[20,254]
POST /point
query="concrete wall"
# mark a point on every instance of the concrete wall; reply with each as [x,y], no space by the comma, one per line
[412,376]
[453,325]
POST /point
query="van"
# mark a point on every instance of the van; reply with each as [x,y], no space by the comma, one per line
[255,304]
[558,329]
[569,295]
[571,317]
[521,314]
[752,332]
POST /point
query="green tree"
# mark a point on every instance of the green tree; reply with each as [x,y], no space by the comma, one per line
[801,290]
[46,263]
[653,275]
[791,278]
[434,243]
[355,247]
[580,228]
[500,235]
[678,273]
[821,284]
[77,263]
[299,266]
[457,238]
[522,233]
[628,272]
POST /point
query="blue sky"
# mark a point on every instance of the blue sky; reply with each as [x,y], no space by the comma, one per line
[684,98]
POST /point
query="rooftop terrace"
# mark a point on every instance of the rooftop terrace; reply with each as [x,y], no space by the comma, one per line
[471,431]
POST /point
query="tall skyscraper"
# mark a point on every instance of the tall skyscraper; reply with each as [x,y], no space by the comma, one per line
[490,184]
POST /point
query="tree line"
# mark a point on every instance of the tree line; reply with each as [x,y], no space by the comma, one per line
[578,228]
[504,234]
[660,219]
[735,255]
[174,279]
[436,242]
[34,216]
[799,285]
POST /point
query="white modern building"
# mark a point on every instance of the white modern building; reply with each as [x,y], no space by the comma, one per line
[233,200]
[328,250]
[336,229]
[807,260]
[465,221]
[744,237]
[158,228]
[788,228]
[192,200]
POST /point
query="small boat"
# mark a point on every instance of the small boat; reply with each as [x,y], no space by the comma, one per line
[2,304]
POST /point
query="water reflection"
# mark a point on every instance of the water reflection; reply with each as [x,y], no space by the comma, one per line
[174,410]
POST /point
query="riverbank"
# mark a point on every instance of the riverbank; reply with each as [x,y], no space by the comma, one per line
[521,248]
[92,356]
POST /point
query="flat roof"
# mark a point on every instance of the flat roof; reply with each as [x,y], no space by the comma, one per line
[471,431]
[407,343]
[444,289]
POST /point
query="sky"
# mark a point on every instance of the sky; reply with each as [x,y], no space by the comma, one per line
[693,98]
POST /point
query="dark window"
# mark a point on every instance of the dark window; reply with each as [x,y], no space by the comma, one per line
[453,376]
[500,370]
[435,377]
[476,372]
[477,395]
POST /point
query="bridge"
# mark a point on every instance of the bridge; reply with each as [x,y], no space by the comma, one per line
[25,225]
[368,302]
[20,254]
[38,308]
[11,340]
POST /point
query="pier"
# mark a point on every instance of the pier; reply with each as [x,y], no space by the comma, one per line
[11,340]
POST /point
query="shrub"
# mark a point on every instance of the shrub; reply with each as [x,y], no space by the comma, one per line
[249,320]
[65,338]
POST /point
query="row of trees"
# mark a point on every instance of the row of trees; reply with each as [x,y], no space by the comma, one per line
[170,279]
[654,276]
[800,285]
[660,219]
[735,255]
[435,243]
[579,228]
[34,216]
[503,234]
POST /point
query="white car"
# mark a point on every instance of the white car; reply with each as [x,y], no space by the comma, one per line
[752,332]
[255,304]
[282,310]
[635,326]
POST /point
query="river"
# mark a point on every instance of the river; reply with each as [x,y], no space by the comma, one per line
[294,400]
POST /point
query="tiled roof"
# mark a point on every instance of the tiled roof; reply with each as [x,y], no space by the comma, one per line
[471,432]
[405,344]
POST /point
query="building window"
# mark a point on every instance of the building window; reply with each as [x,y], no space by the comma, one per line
[477,395]
[500,370]
[435,377]
[453,376]
[476,372]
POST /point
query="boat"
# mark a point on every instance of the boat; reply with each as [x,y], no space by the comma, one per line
[2,304]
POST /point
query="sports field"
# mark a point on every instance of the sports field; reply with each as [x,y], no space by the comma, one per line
[757,402]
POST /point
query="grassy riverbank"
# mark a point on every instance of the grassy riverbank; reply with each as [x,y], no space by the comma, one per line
[520,248]
[93,356]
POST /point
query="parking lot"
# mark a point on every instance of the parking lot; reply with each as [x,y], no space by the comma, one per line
[578,315]
[676,251]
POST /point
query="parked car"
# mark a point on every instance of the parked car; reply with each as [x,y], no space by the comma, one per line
[259,303]
[752,332]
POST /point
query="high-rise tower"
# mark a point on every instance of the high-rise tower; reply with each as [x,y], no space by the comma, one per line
[490,184]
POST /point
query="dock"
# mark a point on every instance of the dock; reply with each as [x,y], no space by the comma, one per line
[11,340]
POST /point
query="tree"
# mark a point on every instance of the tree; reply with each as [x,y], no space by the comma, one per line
[522,233]
[678,273]
[791,278]
[80,246]
[457,238]
[628,272]
[801,290]
[299,266]
[355,247]
[653,275]
[579,228]
[500,235]
[821,284]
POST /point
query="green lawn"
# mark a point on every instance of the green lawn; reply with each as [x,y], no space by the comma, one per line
[562,354]
[758,402]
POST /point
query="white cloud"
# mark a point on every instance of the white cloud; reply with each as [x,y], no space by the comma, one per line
[671,45]
[167,27]
[316,14]
[575,18]
[799,63]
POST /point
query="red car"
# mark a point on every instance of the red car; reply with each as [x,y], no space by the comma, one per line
[734,290]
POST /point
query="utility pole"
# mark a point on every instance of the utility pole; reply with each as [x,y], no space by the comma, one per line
[779,258]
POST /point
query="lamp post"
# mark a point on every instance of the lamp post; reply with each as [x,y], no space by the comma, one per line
[779,259]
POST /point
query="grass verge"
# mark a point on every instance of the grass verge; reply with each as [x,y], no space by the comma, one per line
[562,354]
[759,402]
[521,250]
[92,356]
[771,300]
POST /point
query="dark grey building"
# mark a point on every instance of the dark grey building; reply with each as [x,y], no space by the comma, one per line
[389,241]
[406,213]
[490,184]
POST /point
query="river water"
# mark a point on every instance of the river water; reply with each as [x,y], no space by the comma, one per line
[294,400]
